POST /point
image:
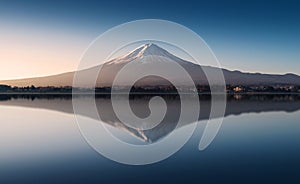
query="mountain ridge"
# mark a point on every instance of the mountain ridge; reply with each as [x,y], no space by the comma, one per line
[147,54]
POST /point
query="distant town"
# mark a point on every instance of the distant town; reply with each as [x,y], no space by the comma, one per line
[230,89]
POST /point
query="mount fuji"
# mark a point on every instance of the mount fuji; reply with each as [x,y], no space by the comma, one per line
[146,55]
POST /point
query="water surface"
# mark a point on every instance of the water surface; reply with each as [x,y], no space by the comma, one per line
[258,142]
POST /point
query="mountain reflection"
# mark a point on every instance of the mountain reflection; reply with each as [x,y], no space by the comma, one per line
[236,104]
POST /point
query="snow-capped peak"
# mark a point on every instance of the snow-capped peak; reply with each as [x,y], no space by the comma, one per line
[149,49]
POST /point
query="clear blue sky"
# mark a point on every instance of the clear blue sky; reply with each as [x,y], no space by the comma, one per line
[42,38]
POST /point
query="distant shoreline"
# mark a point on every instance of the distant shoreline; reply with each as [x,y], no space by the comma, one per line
[149,93]
[152,90]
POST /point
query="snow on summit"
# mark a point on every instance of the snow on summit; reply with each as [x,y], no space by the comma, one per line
[149,49]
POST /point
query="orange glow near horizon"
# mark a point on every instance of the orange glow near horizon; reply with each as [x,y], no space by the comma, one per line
[29,53]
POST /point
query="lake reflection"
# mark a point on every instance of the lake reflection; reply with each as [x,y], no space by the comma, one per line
[258,142]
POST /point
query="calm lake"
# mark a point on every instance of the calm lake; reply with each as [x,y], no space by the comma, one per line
[258,142]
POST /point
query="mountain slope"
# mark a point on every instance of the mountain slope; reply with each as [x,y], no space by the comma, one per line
[144,57]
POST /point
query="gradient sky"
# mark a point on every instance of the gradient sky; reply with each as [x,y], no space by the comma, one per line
[39,38]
